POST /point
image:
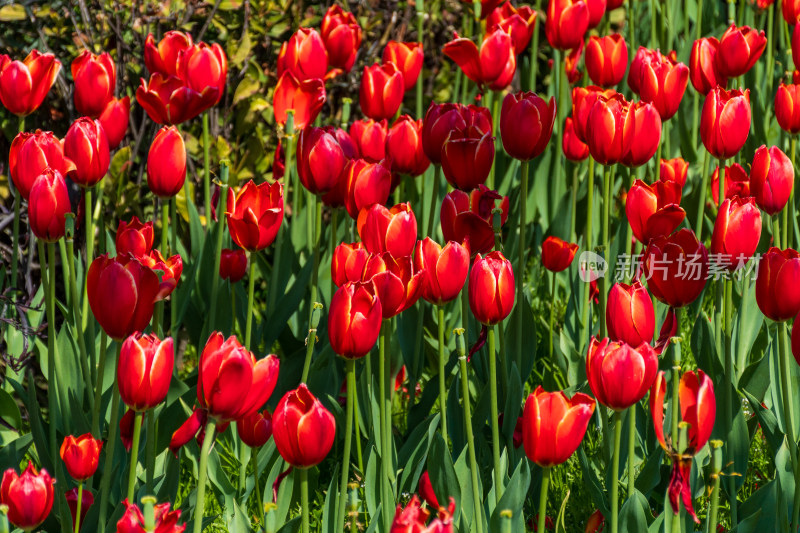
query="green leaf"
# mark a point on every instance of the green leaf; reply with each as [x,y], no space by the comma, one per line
[513,499]
[633,515]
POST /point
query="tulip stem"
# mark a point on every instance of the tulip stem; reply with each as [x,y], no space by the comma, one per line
[552,312]
[420,20]
[434,201]
[629,230]
[158,310]
[251,285]
[631,449]
[716,459]
[98,386]
[48,273]
[173,307]
[731,387]
[202,476]
[522,246]
[542,518]
[149,451]
[223,202]
[442,381]
[17,206]
[78,508]
[87,208]
[207,171]
[770,47]
[788,407]
[387,501]
[498,488]
[303,472]
[113,432]
[720,288]
[534,49]
[588,239]
[76,312]
[653,38]
[606,247]
[313,316]
[137,432]
[350,370]
[788,236]
[465,399]
[615,473]
[676,376]
[698,228]
[257,485]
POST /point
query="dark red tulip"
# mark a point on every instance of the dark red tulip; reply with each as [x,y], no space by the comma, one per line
[467,157]
[126,428]
[737,182]
[620,375]
[381,91]
[787,107]
[408,57]
[348,262]
[31,154]
[166,163]
[255,429]
[557,255]
[302,428]
[675,169]
[516,21]
[467,218]
[144,370]
[392,230]
[739,49]
[791,11]
[583,100]
[795,49]
[342,37]
[134,237]
[491,288]
[771,179]
[165,521]
[441,119]
[703,70]
[404,147]
[320,160]
[354,320]
[81,455]
[232,265]
[24,84]
[87,147]
[114,120]
[725,121]
[170,268]
[398,283]
[567,22]
[87,500]
[369,137]
[426,491]
[492,65]
[304,55]
[777,290]
[169,101]
[646,134]
[255,214]
[304,97]
[574,149]
[737,231]
[630,315]
[446,268]
[676,268]
[526,124]
[202,66]
[29,496]
[95,78]
[660,80]
[163,57]
[414,519]
[610,129]
[364,184]
[654,210]
[606,59]
[48,205]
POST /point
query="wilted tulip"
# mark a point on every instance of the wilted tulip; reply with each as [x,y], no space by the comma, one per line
[342,37]
[725,121]
[574,149]
[364,184]
[304,55]
[202,66]
[739,49]
[369,137]
[392,230]
[620,375]
[302,428]
[660,80]
[166,163]
[348,262]
[255,429]
[170,268]
[354,320]
[381,92]
[567,22]
[609,129]
[114,120]
[557,255]
[407,57]
[81,455]
[630,316]
[467,157]
[404,147]
[232,264]
[169,101]
[676,268]
[771,179]
[516,21]
[467,218]
[31,154]
[737,182]
[320,160]
[48,205]
[29,496]
[491,288]
[446,268]
[86,146]
[737,231]
[675,169]
[441,119]
[134,237]
[526,124]
[165,521]
[144,370]
[163,57]
[398,283]
[606,59]
[553,425]
[255,214]
[787,108]
[777,290]
[304,97]
[654,210]
[95,78]
[24,84]
[492,65]
[646,134]
[414,519]
[703,70]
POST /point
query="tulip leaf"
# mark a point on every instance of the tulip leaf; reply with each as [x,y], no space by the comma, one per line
[412,456]
[513,499]
[592,482]
[767,420]
[633,514]
[704,347]
[443,474]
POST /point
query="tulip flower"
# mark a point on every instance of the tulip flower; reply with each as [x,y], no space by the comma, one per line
[302,428]
[408,57]
[441,119]
[630,315]
[646,134]
[557,255]
[255,214]
[304,55]
[163,57]
[610,129]
[553,425]
[777,291]
[597,8]
[467,157]
[596,521]
[81,455]
[364,184]
[166,163]
[392,230]
[24,84]
[787,108]
[583,100]
[791,11]
[654,210]
[492,65]
[659,80]
[491,288]
[169,101]
[725,121]
[703,70]
[320,160]
[342,37]
[414,519]
[232,265]
[165,521]
[381,91]
[571,62]
[567,22]
[114,120]
[404,147]
[48,205]
[606,59]
[737,182]
[526,124]
[737,231]
[369,137]
[87,500]
[739,49]
[354,320]
[467,218]
[348,262]
[255,429]
[446,268]
[304,97]
[29,496]
[676,268]
[31,154]
[620,375]
[134,237]
[795,50]
[203,66]
[574,149]
[675,169]
[398,283]
[144,370]
[86,146]
[122,293]
[95,78]
[170,269]
[771,179]
[426,491]
[518,22]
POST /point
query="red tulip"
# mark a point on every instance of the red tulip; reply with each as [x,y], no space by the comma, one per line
[491,288]
[606,59]
[597,8]
[29,496]
[737,182]
[163,58]
[408,57]
[204,66]
[787,107]
[571,62]
[114,120]
[777,291]
[95,78]
[255,214]
[467,157]
[87,147]
[398,283]
[676,267]
[126,428]
[610,129]
[305,98]
[87,500]
[348,263]
[725,121]
[81,455]
[255,429]
[737,231]
[414,519]
[122,293]
[791,11]
[526,124]
[739,49]
[24,84]
[232,265]
[168,100]
[620,375]
[304,56]
[426,491]
[493,64]
[48,204]
[675,169]
[364,184]
[654,210]
[660,80]
[170,269]
[404,147]
[703,70]
[574,149]
[392,230]
[518,22]
[144,370]
[381,91]
[320,160]
[342,37]
[354,320]
[596,522]
[446,268]
[370,138]
[166,163]
[441,119]
[134,238]
[771,179]
[567,22]
[629,315]
[467,218]
[795,49]
[31,154]
[646,134]
[302,428]
[165,521]
[553,425]
[557,255]
[583,100]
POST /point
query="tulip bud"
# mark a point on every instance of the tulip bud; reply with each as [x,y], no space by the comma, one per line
[675,169]
[304,97]
[398,283]
[610,128]
[676,268]
[166,163]
[787,108]
[574,149]
[630,315]
[255,429]
[771,179]
[303,429]
[446,268]
[737,231]
[144,370]
[557,255]
[24,84]
[232,265]
[134,238]
[646,134]
[348,263]
[114,120]
[369,137]
[86,146]
[467,157]
[654,210]
[163,58]
[526,124]
[381,91]
[491,288]
[553,425]
[516,21]
[320,160]
[95,80]
[48,204]
[606,59]
[255,214]
[404,147]
[725,121]
[494,64]
[777,291]
[87,500]
[703,70]
[81,455]
[441,119]
[364,184]
[408,58]
[739,49]
[567,22]
[164,520]
[388,230]
[29,496]
[354,320]
[467,218]
[620,375]
[30,155]
[304,56]
[204,66]
[167,100]
[342,37]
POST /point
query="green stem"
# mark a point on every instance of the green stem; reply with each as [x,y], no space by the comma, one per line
[788,236]
[314,307]
[251,285]
[629,230]
[574,205]
[202,476]
[76,311]
[630,19]
[387,502]
[552,311]
[729,375]
[420,19]
[137,432]
[491,105]
[785,365]
[350,370]
[465,399]
[434,201]
[98,386]
[521,262]
[543,498]
[78,508]
[113,432]
[173,307]
[588,239]
[17,206]
[442,381]
[207,171]
[631,450]
[534,49]
[257,485]
[653,37]
[615,473]
[676,376]
[149,451]
[716,454]
[770,47]
[48,272]
[223,201]
[498,489]
[606,248]
[698,227]
[304,499]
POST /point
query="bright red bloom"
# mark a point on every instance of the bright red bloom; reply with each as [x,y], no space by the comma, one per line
[654,210]
[255,214]
[491,288]
[553,425]
[414,519]
[202,66]
[48,205]
[134,237]
[446,268]
[87,500]
[29,496]
[574,149]
[519,22]
[302,428]
[703,70]
[166,163]
[381,91]
[597,8]
[81,455]
[526,124]
[86,146]
[232,264]
[304,97]
[737,182]
[170,268]
[567,22]
[777,290]
[304,55]
[660,80]
[441,119]
[725,121]
[737,231]
[408,57]
[675,169]
[144,370]
[24,84]
[320,160]
[630,315]
[492,65]
[95,78]
[467,218]
[369,137]
[739,49]
[348,262]
[583,100]
[646,134]
[392,230]
[787,107]
[771,179]
[354,319]
[31,154]
[791,11]
[255,429]
[168,100]
[342,37]
[557,255]
[163,58]
[364,184]
[606,59]
[676,268]
[610,129]
[398,283]
[114,119]
[404,147]
[166,521]
[620,375]
[467,157]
